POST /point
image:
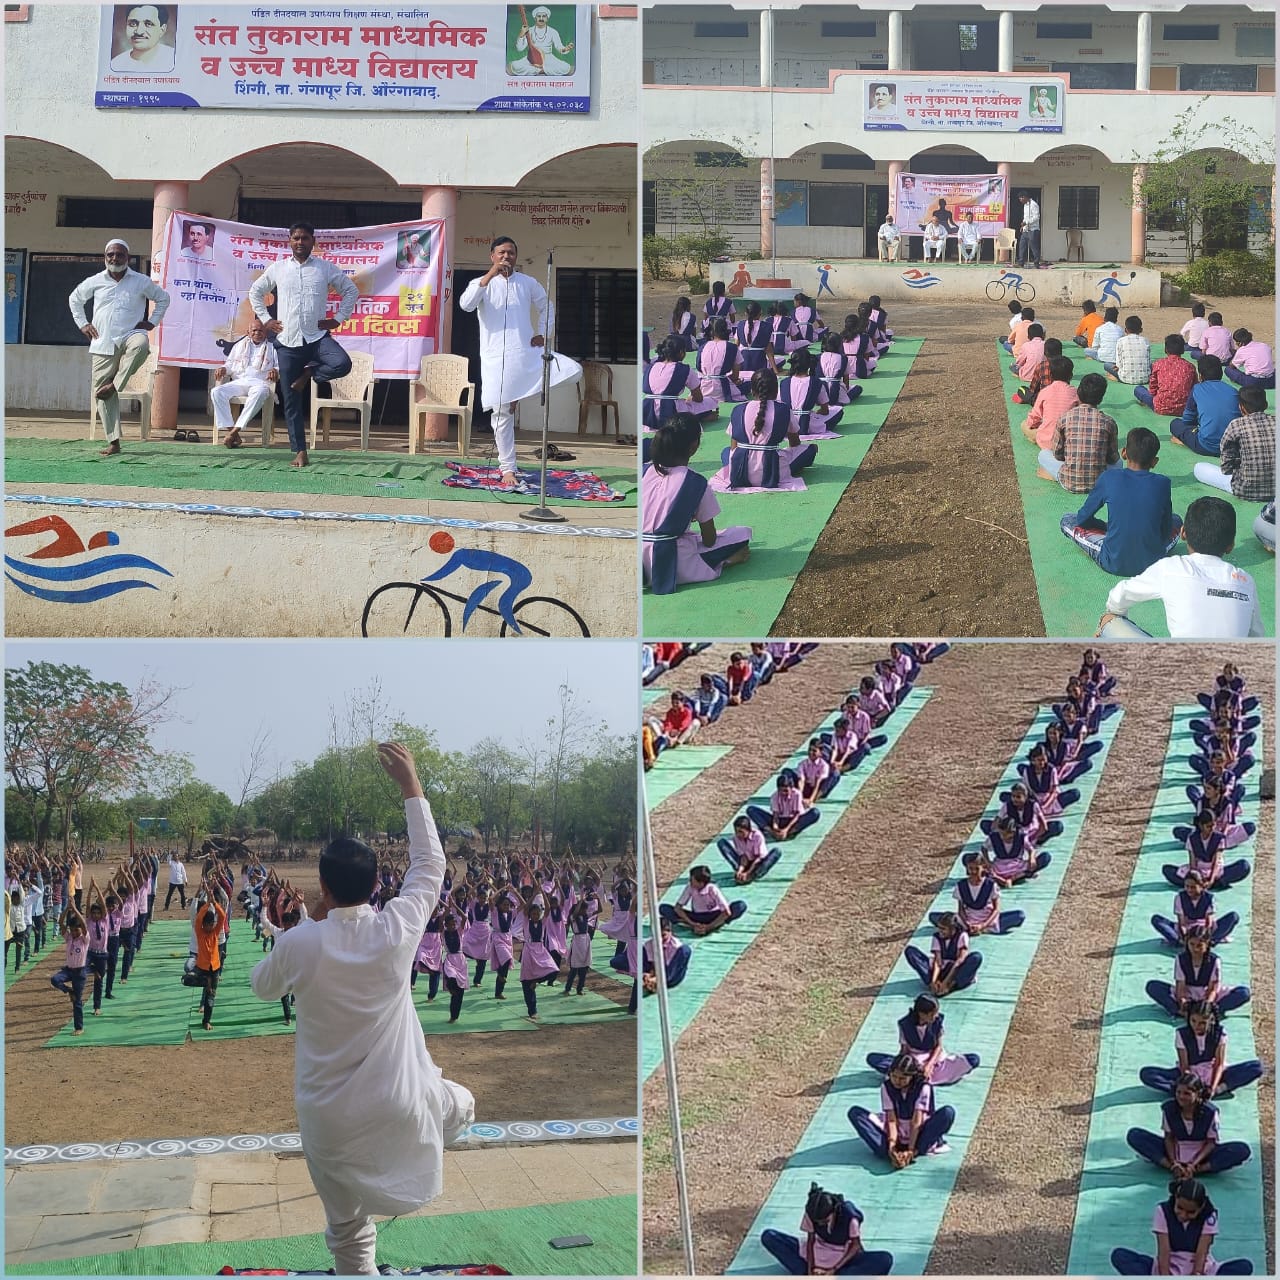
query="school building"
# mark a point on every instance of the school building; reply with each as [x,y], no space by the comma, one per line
[77,174]
[788,127]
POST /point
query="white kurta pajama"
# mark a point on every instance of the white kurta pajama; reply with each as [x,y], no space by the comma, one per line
[374,1111]
[510,367]
[546,40]
[247,368]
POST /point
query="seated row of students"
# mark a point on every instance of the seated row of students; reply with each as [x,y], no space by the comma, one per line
[665,655]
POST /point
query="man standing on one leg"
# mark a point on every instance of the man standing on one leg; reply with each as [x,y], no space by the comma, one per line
[510,359]
[374,1111]
[117,335]
[304,347]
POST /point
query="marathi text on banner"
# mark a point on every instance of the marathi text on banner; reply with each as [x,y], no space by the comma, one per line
[918,196]
[209,264]
[459,57]
[1033,104]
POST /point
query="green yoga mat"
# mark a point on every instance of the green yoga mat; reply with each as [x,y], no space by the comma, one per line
[714,955]
[158,464]
[515,1239]
[677,768]
[904,1210]
[1072,589]
[785,526]
[1118,1190]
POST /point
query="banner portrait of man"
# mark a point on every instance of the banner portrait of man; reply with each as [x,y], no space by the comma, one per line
[144,39]
[540,40]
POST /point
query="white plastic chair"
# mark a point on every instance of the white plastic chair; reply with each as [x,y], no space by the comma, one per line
[441,387]
[354,392]
[1006,242]
[137,388]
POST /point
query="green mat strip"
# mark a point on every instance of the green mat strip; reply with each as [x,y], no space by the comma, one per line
[1118,1190]
[676,768]
[715,955]
[158,464]
[652,695]
[1072,589]
[905,1209]
[515,1239]
[785,526]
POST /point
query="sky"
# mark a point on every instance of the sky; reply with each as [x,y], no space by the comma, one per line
[228,690]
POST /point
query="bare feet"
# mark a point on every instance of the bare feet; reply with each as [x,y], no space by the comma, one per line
[739,557]
[1043,474]
[106,391]
[232,438]
[113,447]
[300,382]
[509,480]
[78,1033]
[299,459]
[1182,444]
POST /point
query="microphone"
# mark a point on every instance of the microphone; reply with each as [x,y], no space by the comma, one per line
[549,253]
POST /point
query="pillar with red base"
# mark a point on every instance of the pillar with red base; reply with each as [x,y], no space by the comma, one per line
[442,203]
[166,198]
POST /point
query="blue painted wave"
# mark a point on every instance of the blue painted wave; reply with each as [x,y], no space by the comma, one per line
[86,596]
[88,569]
[923,283]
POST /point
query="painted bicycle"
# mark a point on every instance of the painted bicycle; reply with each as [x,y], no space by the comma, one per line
[1010,282]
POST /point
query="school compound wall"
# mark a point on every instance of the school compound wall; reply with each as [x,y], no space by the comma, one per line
[196,569]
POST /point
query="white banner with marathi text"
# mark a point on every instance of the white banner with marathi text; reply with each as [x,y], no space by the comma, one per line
[1031,104]
[451,57]
[208,265]
[918,196]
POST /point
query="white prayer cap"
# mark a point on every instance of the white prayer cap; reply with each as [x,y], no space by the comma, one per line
[544,11]
[118,241]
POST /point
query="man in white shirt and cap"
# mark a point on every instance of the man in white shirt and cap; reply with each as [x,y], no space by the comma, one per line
[304,346]
[887,239]
[118,344]
[510,356]
[374,1111]
[250,371]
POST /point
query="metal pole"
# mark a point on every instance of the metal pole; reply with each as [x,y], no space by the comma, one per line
[650,879]
[773,172]
[542,511]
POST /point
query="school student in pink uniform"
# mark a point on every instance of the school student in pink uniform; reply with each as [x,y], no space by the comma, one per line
[908,1125]
[920,1036]
[765,450]
[1201,1047]
[720,370]
[802,392]
[1189,1143]
[1197,976]
[1204,848]
[787,815]
[702,907]
[832,1244]
[675,960]
[747,853]
[1253,364]
[1184,1226]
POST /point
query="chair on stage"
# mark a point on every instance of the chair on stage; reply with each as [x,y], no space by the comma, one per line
[1075,244]
[266,415]
[354,392]
[441,386]
[596,388]
[1006,243]
[137,388]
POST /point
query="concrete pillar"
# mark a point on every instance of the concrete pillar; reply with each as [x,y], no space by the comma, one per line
[895,40]
[1005,55]
[166,197]
[766,208]
[1005,170]
[895,168]
[766,48]
[1138,219]
[1144,51]
[442,202]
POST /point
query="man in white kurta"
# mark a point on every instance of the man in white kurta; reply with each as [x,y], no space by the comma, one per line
[505,300]
[250,371]
[374,1111]
[538,47]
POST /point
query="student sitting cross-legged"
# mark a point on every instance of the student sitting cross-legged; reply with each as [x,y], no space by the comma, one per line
[1247,451]
[1210,407]
[1084,441]
[1170,381]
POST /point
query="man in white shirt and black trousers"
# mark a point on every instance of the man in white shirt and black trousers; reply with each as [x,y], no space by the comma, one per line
[304,347]
[1029,233]
[374,1111]
[118,344]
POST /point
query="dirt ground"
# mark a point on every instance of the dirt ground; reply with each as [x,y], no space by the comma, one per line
[155,1091]
[908,525]
[778,1028]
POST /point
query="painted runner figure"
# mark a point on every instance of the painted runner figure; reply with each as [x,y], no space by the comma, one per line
[305,346]
[118,345]
[505,299]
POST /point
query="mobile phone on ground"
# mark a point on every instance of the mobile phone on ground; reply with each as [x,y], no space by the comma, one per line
[570,1242]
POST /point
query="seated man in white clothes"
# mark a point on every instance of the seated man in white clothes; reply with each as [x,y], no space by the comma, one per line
[935,241]
[251,371]
[887,239]
[967,239]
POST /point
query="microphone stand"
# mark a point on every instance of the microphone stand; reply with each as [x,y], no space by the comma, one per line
[542,512]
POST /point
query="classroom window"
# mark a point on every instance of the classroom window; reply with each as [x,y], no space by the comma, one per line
[721,31]
[1190,31]
[1255,42]
[1078,208]
[836,204]
[649,209]
[1064,30]
[114,215]
[596,314]
[849,30]
[842,160]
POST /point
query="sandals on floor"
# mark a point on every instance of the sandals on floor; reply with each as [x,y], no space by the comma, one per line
[179,435]
[555,454]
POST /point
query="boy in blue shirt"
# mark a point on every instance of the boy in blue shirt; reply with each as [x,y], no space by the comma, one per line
[1210,407]
[1140,527]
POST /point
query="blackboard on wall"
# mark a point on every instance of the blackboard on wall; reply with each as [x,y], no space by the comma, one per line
[836,204]
[50,280]
[1217,78]
[1099,75]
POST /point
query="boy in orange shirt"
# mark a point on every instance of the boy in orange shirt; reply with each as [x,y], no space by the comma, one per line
[1088,326]
[210,922]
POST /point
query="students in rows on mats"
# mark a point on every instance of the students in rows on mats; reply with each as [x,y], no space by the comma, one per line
[950,965]
[701,907]
[1045,784]
[1193,905]
[1227,741]
[1088,325]
[678,725]
[926,651]
[670,387]
[804,393]
[920,1037]
[762,662]
[1087,704]
[1210,408]
[1193,331]
[1201,1048]
[843,748]
[1225,701]
[1093,670]
[1030,353]
[1184,1226]
[672,497]
[740,678]
[708,699]
[1170,382]
[890,683]
[1010,856]
[1063,755]
[1018,331]
[908,1125]
[977,899]
[747,852]
[1084,441]
[720,369]
[1189,1143]
[675,960]
[1224,728]
[1246,466]
[858,345]
[832,1246]
[1204,847]
[765,450]
[1221,764]
[1015,317]
[717,307]
[1253,364]
[1204,596]
[1197,977]
[834,372]
[1051,401]
[1023,810]
[872,701]
[806,324]
[1141,526]
[788,814]
[790,653]
[684,328]
[905,660]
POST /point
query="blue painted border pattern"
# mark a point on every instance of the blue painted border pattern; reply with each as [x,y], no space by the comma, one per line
[281,513]
[479,1135]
